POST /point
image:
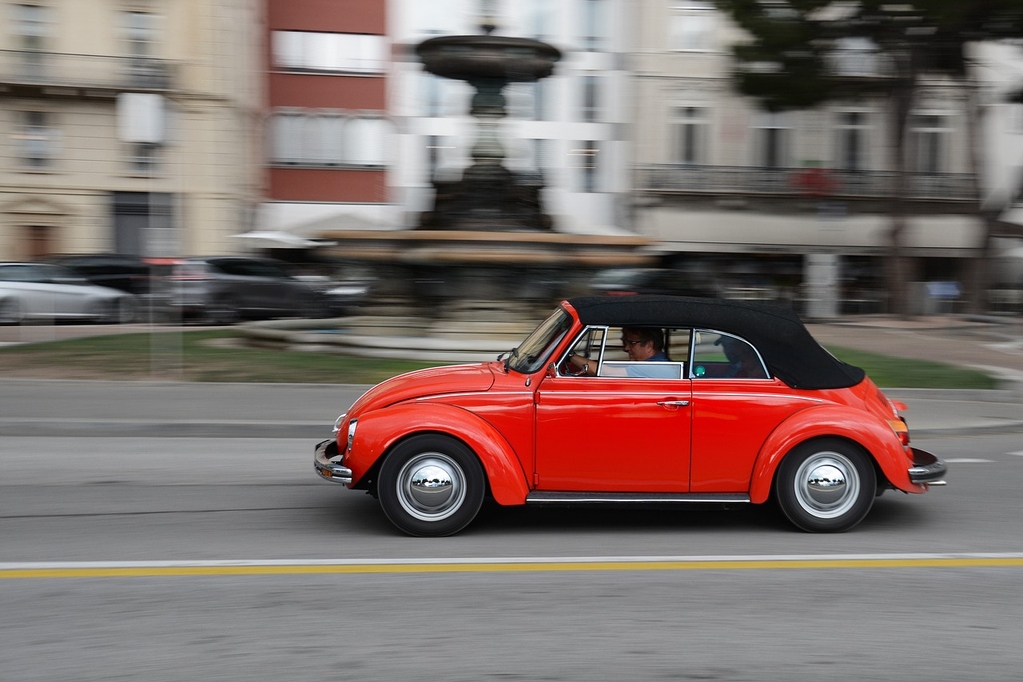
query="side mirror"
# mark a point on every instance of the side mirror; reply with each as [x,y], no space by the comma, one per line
[552,370]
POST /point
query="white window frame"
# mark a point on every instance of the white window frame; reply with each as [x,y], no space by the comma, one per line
[772,129]
[321,52]
[931,137]
[38,139]
[691,26]
[861,130]
[690,135]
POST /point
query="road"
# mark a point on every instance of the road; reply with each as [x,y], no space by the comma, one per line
[214,558]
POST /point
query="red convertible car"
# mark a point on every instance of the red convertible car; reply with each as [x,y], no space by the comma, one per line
[640,399]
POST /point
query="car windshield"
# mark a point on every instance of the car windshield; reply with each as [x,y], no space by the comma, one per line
[532,353]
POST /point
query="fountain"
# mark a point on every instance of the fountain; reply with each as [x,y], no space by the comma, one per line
[485,262]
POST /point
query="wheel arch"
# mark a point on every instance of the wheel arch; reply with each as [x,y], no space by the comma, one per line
[380,431]
[875,438]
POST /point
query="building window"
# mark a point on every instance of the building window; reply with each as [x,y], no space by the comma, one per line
[37,140]
[307,51]
[539,151]
[327,138]
[591,99]
[593,25]
[855,57]
[587,158]
[32,26]
[690,136]
[140,34]
[929,135]
[541,19]
[851,131]
[145,157]
[691,26]
[772,140]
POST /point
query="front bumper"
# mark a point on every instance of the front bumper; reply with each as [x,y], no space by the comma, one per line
[328,469]
[927,468]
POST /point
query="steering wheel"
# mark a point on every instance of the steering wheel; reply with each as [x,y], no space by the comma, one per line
[570,369]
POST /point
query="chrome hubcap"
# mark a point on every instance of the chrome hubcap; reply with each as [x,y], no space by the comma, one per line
[827,485]
[431,486]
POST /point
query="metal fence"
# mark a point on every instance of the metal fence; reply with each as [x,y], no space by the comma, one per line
[29,68]
[752,181]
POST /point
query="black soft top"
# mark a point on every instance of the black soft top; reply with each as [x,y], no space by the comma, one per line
[791,353]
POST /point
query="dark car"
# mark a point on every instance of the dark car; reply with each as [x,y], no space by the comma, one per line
[225,289]
[662,281]
[127,273]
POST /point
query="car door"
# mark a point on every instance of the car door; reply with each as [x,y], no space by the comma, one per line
[39,295]
[613,433]
[736,405]
[69,294]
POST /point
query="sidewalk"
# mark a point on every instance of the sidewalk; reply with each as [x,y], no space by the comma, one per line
[159,409]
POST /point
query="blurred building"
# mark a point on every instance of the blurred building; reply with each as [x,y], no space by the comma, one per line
[328,127]
[130,126]
[571,129]
[790,205]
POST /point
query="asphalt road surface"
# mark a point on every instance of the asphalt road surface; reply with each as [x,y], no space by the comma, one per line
[134,558]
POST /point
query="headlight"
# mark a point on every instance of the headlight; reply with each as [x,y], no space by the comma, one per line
[351,432]
[338,422]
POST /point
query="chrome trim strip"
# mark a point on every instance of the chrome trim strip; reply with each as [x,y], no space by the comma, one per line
[571,497]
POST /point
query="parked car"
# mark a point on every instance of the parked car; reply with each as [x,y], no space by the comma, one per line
[30,291]
[117,271]
[793,424]
[225,289]
[668,281]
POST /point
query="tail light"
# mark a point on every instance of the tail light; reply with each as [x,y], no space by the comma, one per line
[901,430]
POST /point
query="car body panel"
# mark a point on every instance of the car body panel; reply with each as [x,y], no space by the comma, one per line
[381,430]
[594,434]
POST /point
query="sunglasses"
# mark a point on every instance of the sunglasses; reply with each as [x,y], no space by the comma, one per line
[627,342]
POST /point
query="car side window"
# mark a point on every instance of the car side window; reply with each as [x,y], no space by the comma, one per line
[717,355]
[606,352]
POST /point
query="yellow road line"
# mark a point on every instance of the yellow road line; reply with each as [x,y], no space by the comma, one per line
[383,567]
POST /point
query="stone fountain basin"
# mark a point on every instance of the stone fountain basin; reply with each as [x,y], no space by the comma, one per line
[475,57]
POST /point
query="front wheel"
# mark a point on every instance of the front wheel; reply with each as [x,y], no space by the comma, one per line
[826,485]
[431,486]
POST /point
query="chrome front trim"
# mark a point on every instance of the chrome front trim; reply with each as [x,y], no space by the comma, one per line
[571,497]
[329,470]
[927,468]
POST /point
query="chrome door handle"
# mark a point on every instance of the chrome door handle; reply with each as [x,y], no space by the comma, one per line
[673,403]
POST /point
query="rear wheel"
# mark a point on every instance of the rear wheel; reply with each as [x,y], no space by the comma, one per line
[826,485]
[431,486]
[10,312]
[222,311]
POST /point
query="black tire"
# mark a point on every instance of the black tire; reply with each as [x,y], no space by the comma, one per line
[222,311]
[431,485]
[127,311]
[10,312]
[826,485]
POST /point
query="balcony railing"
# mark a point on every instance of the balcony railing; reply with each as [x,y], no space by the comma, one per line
[41,70]
[781,182]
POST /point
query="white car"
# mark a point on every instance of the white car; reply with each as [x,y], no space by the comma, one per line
[30,291]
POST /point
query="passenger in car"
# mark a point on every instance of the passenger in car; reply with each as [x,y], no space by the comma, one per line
[743,362]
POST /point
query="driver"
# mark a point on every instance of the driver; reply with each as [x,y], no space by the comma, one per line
[641,344]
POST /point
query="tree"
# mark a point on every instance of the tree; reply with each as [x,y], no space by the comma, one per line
[792,61]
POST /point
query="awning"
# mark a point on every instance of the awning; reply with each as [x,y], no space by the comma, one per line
[281,240]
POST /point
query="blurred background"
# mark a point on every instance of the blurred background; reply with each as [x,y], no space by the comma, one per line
[841,158]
